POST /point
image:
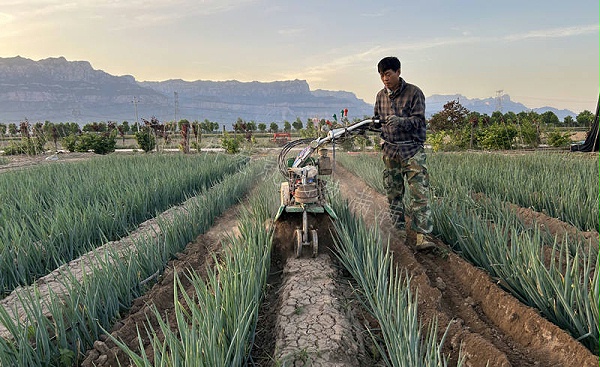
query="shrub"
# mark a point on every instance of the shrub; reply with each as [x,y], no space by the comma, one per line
[28,145]
[436,140]
[98,143]
[529,134]
[145,139]
[14,149]
[377,143]
[69,142]
[498,136]
[557,139]
[231,144]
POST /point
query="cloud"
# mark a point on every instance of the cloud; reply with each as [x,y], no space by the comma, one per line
[374,14]
[324,66]
[555,33]
[468,38]
[183,7]
[38,7]
[322,70]
[290,31]
[5,18]
[135,10]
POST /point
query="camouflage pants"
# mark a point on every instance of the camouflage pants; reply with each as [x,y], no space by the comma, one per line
[414,170]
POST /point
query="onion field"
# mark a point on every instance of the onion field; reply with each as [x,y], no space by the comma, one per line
[174,260]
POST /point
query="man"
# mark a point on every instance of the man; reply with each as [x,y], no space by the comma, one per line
[401,109]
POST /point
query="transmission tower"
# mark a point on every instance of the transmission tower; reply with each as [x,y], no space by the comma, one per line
[499,94]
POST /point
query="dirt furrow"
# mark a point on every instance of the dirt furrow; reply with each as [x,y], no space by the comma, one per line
[54,282]
[196,256]
[311,327]
[482,319]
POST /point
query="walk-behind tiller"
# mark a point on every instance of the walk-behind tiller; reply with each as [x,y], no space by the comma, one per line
[304,190]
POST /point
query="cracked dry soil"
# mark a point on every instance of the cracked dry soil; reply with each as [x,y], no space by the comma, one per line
[311,317]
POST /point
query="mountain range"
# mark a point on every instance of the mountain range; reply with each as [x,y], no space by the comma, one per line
[59,90]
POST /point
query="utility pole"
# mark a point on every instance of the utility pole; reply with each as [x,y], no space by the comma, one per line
[176,105]
[174,126]
[135,102]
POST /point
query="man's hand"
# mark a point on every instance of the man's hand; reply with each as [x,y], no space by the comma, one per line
[394,121]
[375,124]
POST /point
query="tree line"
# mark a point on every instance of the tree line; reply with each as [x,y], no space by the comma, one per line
[453,128]
[456,128]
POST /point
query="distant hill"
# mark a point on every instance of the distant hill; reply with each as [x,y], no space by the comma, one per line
[58,90]
[262,102]
[435,103]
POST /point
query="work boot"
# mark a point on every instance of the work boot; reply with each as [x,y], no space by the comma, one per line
[423,244]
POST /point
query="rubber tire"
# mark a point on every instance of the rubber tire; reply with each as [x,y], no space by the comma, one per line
[315,243]
[298,243]
[284,193]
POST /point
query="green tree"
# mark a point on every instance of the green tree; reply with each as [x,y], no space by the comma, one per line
[274,127]
[497,117]
[311,130]
[12,129]
[298,125]
[287,127]
[510,118]
[95,127]
[585,118]
[239,125]
[262,127]
[451,117]
[125,127]
[569,121]
[182,122]
[549,118]
[99,143]
[209,126]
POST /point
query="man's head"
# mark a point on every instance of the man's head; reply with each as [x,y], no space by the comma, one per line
[388,63]
[389,71]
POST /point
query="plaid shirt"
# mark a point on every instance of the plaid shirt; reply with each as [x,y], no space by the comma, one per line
[407,102]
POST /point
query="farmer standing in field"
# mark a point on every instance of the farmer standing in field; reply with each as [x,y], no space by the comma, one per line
[401,108]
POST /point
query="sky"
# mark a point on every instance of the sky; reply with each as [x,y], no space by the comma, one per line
[539,52]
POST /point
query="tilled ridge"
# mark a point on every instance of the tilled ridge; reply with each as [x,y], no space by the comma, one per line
[311,329]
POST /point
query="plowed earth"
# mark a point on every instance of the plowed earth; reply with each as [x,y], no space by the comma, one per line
[310,315]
